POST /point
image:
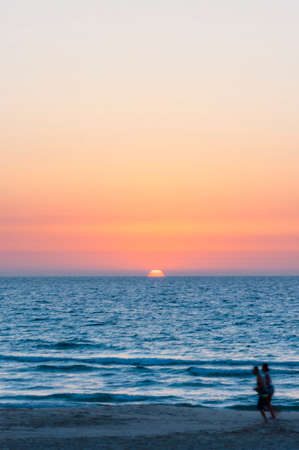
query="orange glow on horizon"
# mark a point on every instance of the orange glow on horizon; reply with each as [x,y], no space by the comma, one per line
[156,273]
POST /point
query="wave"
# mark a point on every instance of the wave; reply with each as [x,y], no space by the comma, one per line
[73,345]
[192,384]
[196,371]
[140,367]
[289,367]
[66,368]
[68,344]
[100,397]
[67,398]
[64,345]
[204,371]
[102,323]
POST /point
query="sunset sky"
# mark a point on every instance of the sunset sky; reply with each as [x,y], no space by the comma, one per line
[149,134]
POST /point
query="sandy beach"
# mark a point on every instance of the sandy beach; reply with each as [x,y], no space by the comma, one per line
[144,427]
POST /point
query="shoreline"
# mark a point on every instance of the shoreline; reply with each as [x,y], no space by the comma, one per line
[144,427]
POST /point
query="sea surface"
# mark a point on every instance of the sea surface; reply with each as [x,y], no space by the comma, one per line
[177,340]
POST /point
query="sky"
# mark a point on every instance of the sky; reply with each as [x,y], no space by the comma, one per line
[149,134]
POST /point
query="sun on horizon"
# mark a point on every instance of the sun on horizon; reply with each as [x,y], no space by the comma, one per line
[156,273]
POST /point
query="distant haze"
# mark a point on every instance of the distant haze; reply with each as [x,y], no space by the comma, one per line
[139,134]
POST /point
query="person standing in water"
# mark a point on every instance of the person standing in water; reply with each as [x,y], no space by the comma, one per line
[269,388]
[261,391]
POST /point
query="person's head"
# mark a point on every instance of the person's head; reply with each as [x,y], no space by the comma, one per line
[255,370]
[265,367]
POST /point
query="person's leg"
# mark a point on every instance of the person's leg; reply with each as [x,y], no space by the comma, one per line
[264,415]
[270,407]
[260,406]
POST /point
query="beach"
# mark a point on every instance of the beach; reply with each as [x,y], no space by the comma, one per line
[144,427]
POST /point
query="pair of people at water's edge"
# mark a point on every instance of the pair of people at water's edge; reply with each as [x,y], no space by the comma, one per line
[265,390]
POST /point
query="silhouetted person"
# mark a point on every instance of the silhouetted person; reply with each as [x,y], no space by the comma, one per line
[269,388]
[262,394]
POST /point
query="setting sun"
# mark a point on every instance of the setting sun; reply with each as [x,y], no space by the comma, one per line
[156,273]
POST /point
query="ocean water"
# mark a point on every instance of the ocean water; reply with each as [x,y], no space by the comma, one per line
[177,340]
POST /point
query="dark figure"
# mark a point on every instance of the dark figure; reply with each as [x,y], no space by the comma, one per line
[269,388]
[261,391]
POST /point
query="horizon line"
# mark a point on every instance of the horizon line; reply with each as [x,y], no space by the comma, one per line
[124,275]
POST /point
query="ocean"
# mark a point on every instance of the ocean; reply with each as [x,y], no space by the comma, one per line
[174,340]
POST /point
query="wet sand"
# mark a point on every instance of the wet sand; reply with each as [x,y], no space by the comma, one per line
[144,427]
